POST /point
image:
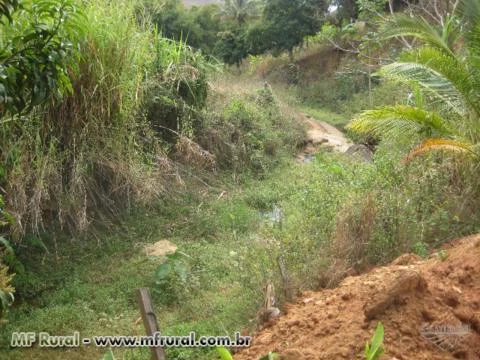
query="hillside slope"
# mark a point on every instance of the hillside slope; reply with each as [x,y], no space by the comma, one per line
[417,301]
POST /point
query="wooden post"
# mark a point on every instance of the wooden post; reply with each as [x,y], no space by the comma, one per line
[149,320]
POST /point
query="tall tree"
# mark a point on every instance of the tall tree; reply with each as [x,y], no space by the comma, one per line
[287,22]
[198,26]
[231,47]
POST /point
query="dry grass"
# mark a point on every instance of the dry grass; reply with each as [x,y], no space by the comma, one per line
[311,64]
[87,153]
[353,229]
[190,153]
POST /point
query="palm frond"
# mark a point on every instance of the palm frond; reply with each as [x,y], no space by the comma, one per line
[438,144]
[446,68]
[442,76]
[390,121]
[419,28]
[452,30]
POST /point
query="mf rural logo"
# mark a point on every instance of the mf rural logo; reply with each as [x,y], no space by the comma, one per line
[445,337]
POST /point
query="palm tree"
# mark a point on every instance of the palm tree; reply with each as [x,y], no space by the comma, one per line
[445,69]
[240,10]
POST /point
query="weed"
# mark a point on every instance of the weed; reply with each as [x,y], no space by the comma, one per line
[442,254]
[233,250]
[224,354]
[91,153]
[374,349]
[270,356]
[250,134]
[176,277]
[421,249]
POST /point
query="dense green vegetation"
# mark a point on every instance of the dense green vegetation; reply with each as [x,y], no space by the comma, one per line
[445,111]
[238,28]
[121,127]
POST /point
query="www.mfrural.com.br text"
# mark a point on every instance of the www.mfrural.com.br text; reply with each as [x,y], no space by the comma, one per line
[44,339]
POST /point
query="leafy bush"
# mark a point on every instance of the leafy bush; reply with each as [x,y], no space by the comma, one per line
[250,134]
[175,278]
[177,89]
[342,215]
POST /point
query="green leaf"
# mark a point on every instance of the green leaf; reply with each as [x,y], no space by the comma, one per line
[163,271]
[375,349]
[181,270]
[378,337]
[224,353]
[418,27]
[6,299]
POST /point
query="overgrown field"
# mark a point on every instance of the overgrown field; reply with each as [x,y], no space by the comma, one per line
[335,211]
[148,140]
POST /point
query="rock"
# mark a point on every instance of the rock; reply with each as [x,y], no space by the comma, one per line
[360,151]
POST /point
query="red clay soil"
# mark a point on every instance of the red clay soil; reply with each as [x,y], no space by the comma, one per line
[430,310]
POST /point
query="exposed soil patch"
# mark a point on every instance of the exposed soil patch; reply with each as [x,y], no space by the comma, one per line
[321,134]
[430,310]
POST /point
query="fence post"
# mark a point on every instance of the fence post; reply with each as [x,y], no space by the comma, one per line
[149,320]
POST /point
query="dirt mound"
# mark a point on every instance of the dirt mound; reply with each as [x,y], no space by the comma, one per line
[430,310]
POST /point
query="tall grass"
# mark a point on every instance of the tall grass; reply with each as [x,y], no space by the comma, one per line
[95,151]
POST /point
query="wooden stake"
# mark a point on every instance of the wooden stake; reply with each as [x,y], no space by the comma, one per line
[149,320]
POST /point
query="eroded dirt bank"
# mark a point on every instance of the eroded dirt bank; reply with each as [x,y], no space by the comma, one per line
[430,310]
[320,134]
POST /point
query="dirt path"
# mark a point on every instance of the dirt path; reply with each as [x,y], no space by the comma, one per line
[430,310]
[320,134]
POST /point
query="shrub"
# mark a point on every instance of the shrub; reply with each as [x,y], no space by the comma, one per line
[250,134]
[177,89]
